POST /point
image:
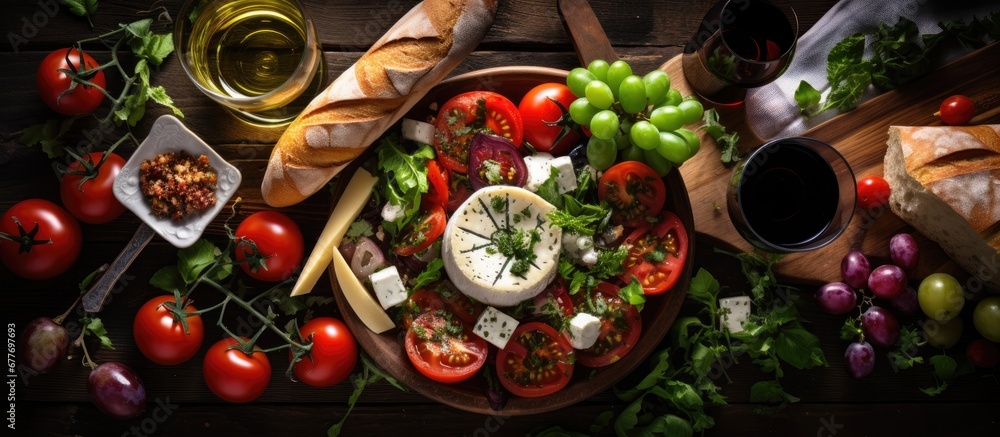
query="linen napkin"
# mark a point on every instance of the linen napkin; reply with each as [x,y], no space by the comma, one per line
[771,109]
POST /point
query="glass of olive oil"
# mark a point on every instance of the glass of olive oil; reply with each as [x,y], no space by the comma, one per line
[259,58]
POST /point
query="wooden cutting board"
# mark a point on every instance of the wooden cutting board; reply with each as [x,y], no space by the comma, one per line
[860,135]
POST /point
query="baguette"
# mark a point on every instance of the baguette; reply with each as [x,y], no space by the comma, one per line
[359,106]
[946,183]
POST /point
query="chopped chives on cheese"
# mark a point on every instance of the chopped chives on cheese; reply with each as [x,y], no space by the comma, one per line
[495,327]
[738,312]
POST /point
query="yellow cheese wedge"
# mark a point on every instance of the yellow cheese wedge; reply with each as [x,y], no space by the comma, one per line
[361,301]
[355,196]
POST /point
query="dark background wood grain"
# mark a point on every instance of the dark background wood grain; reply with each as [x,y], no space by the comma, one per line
[526,32]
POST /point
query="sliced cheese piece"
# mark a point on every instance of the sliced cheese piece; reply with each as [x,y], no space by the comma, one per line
[499,247]
[738,312]
[355,196]
[388,286]
[583,330]
[495,327]
[362,302]
[418,131]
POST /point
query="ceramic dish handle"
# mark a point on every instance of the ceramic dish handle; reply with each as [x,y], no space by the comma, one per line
[94,299]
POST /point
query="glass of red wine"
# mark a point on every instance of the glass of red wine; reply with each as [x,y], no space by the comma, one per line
[740,44]
[792,195]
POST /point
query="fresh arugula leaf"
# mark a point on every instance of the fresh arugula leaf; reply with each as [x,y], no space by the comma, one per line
[370,374]
[159,95]
[808,99]
[430,274]
[82,8]
[47,135]
[406,177]
[95,327]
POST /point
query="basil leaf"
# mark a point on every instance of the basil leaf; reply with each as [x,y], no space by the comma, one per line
[800,348]
[808,99]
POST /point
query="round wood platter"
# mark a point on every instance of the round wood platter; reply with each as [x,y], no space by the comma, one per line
[386,349]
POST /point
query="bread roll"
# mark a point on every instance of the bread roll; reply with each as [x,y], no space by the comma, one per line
[339,124]
[945,182]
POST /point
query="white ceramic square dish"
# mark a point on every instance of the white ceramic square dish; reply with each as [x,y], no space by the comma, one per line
[170,135]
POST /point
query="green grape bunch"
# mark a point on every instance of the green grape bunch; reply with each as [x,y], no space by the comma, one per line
[633,118]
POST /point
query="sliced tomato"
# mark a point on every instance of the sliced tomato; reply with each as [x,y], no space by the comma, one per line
[461,117]
[421,301]
[459,304]
[620,325]
[459,189]
[537,361]
[437,179]
[634,190]
[443,348]
[656,254]
[422,231]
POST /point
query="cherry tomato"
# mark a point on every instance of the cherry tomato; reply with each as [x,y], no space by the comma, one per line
[233,375]
[39,239]
[460,305]
[957,110]
[422,231]
[278,240]
[537,361]
[332,356]
[656,254]
[437,179]
[466,114]
[634,190]
[873,192]
[86,191]
[161,337]
[620,325]
[495,161]
[52,83]
[443,348]
[983,353]
[546,125]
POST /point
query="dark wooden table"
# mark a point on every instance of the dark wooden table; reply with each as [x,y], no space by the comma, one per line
[526,32]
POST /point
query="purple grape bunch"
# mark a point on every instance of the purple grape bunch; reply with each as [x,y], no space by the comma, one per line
[889,282]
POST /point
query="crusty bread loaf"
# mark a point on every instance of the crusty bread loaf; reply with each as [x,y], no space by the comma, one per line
[339,124]
[945,182]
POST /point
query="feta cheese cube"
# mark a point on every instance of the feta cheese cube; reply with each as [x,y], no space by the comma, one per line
[566,180]
[739,312]
[391,212]
[495,327]
[418,131]
[539,169]
[584,330]
[388,286]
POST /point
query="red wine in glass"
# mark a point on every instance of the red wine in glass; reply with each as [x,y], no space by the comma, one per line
[740,44]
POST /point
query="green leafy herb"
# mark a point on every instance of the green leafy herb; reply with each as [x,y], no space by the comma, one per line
[95,327]
[358,229]
[406,178]
[191,264]
[430,275]
[906,353]
[899,55]
[549,190]
[609,263]
[579,218]
[851,331]
[47,135]
[82,8]
[370,374]
[945,369]
[727,141]
[633,294]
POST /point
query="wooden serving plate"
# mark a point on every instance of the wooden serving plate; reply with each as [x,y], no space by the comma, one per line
[657,316]
[860,135]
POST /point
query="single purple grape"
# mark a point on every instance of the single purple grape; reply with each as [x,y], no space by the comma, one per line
[43,344]
[887,281]
[860,359]
[117,390]
[904,252]
[836,298]
[880,327]
[854,269]
[907,303]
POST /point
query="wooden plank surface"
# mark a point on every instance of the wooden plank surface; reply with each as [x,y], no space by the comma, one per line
[526,32]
